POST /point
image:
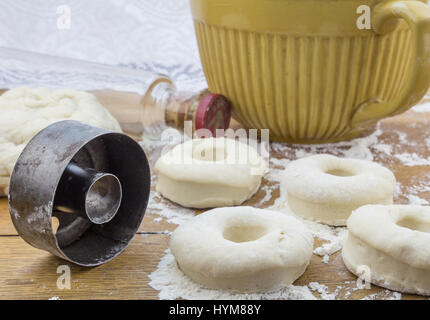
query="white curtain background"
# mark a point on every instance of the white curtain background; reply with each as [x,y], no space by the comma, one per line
[155,35]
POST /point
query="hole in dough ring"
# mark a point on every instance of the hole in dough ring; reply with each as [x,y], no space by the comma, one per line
[327,189]
[208,173]
[242,249]
[389,246]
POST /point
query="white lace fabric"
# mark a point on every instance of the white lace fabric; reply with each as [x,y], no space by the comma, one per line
[154,35]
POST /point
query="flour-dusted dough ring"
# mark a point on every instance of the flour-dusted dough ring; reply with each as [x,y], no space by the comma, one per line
[393,244]
[242,249]
[327,189]
[207,173]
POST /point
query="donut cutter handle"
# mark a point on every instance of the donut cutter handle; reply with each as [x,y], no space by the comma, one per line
[93,195]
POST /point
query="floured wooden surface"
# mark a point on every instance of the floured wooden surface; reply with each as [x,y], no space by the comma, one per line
[400,143]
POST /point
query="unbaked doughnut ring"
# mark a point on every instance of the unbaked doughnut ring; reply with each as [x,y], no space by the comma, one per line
[208,173]
[242,249]
[393,244]
[327,189]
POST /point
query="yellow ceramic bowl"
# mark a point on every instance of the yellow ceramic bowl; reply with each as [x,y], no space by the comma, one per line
[304,69]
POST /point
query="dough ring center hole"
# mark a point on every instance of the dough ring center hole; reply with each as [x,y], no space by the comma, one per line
[414,224]
[212,154]
[244,233]
[339,172]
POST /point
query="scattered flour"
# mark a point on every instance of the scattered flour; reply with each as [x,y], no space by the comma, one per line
[412,159]
[383,148]
[268,193]
[326,259]
[323,291]
[173,213]
[384,295]
[425,107]
[398,191]
[415,200]
[173,284]
[360,148]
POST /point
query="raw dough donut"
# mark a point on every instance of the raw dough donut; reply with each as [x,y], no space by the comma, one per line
[207,173]
[393,243]
[327,189]
[242,249]
[25,111]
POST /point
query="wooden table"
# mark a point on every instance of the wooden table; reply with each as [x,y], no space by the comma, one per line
[29,273]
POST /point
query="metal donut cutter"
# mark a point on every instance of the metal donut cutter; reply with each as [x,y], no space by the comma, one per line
[94,181]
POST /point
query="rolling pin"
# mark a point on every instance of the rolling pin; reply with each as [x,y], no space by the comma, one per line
[143,102]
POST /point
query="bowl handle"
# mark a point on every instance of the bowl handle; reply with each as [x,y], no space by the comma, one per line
[385,17]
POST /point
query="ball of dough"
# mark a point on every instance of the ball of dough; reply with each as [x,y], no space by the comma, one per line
[327,189]
[207,173]
[391,246]
[242,249]
[26,111]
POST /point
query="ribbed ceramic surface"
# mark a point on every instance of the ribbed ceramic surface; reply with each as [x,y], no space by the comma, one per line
[302,88]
